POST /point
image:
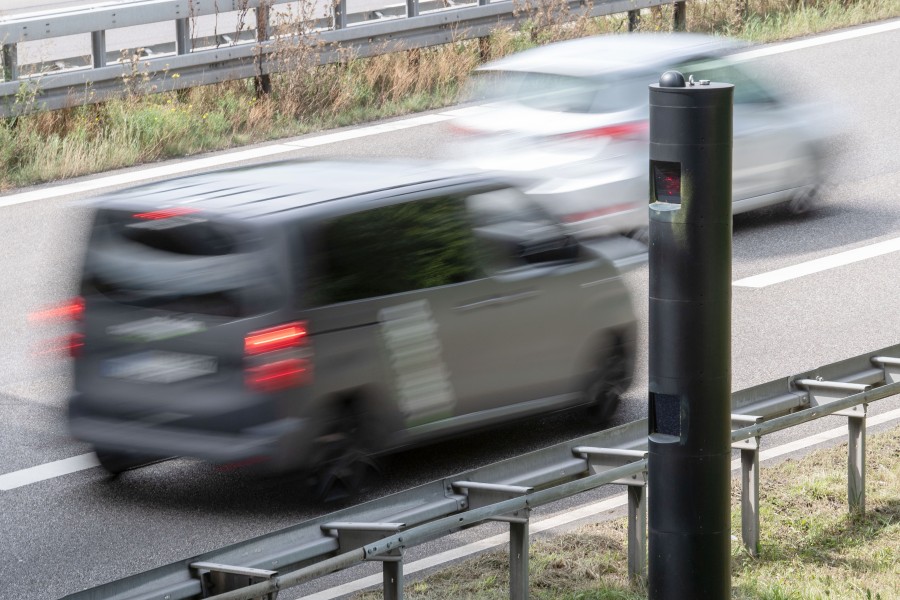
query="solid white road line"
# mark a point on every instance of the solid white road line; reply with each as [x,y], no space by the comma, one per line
[142,175]
[230,158]
[17,479]
[820,40]
[820,264]
[584,512]
[51,470]
[220,160]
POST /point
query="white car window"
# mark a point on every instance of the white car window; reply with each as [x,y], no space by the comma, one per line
[747,88]
[555,93]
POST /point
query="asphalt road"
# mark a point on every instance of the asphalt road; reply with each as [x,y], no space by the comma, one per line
[79,530]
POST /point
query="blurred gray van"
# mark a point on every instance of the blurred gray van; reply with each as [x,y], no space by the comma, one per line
[306,315]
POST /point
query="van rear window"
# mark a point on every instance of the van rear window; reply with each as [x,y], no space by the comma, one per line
[183,263]
[188,234]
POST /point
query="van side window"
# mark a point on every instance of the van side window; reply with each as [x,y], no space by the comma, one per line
[503,221]
[393,249]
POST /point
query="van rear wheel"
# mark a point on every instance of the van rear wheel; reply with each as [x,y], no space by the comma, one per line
[604,392]
[344,468]
[344,477]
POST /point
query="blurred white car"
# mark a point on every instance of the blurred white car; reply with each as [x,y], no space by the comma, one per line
[573,115]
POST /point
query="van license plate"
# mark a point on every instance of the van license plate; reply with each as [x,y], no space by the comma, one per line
[155,366]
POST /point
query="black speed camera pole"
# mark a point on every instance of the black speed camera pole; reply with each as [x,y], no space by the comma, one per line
[690,339]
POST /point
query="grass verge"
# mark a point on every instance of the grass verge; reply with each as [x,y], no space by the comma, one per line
[138,129]
[811,548]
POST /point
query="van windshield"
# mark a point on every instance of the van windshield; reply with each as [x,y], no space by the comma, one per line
[185,264]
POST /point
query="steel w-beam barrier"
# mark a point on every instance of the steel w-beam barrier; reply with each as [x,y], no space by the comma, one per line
[426,23]
[380,530]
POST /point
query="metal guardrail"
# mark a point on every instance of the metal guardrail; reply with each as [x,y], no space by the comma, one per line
[426,23]
[382,529]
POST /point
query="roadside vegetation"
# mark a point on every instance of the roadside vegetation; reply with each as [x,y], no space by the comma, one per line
[811,548]
[137,129]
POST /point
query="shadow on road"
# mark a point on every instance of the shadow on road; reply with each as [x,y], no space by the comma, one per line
[182,486]
[821,229]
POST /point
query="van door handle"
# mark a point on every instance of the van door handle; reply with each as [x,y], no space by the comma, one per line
[499,300]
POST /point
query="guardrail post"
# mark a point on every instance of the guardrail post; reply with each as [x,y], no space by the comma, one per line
[484,43]
[9,55]
[602,459]
[749,483]
[679,16]
[740,11]
[518,560]
[484,494]
[262,82]
[634,19]
[484,49]
[822,393]
[637,532]
[412,8]
[340,14]
[98,48]
[182,36]
[393,579]
[750,500]
[856,461]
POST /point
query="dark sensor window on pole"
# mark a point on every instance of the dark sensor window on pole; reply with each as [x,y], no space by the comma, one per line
[666,413]
[667,181]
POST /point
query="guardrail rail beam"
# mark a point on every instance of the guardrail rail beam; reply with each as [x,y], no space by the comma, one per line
[216,578]
[204,61]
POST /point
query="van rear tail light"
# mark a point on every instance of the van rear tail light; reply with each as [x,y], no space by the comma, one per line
[74,344]
[71,344]
[64,346]
[166,213]
[279,375]
[71,310]
[290,335]
[278,358]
